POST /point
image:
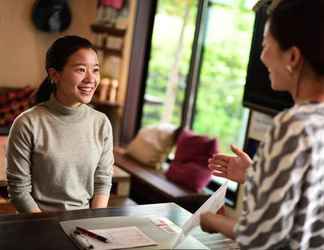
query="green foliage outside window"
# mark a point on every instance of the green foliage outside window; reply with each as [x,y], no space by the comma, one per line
[219,109]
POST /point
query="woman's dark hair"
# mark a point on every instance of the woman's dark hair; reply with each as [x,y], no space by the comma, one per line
[56,57]
[300,23]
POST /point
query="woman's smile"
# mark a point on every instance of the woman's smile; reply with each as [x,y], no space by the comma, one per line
[86,90]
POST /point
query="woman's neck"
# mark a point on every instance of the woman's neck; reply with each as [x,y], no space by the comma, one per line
[68,102]
[310,89]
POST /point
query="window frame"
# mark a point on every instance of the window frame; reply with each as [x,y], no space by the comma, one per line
[138,73]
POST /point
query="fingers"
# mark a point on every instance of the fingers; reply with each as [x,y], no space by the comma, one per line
[217,161]
[218,168]
[218,165]
[205,222]
[226,158]
[237,151]
[240,153]
[219,173]
[209,222]
[220,157]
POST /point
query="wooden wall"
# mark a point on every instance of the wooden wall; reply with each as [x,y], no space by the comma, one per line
[23,47]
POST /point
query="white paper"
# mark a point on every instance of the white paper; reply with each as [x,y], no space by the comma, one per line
[175,232]
[120,238]
[213,204]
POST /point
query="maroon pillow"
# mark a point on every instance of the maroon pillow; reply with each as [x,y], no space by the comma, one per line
[190,165]
[190,175]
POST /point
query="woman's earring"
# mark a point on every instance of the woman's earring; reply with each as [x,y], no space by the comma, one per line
[289,69]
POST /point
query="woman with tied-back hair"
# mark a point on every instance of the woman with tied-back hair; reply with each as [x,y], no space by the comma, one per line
[59,154]
[283,207]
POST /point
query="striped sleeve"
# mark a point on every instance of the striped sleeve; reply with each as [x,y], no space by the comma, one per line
[274,186]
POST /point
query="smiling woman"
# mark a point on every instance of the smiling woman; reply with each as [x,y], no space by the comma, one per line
[59,153]
[283,199]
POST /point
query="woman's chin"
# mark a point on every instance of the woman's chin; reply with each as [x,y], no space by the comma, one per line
[278,87]
[274,87]
[85,99]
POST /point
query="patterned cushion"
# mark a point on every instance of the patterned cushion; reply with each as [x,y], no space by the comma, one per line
[13,102]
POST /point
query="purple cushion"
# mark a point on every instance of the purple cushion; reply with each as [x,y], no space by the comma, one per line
[190,165]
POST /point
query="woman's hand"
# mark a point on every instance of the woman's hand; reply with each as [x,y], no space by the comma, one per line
[99,201]
[206,222]
[36,210]
[216,223]
[230,167]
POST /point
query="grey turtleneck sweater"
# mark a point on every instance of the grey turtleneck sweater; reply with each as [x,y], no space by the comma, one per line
[58,157]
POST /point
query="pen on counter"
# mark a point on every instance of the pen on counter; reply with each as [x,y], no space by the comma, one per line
[91,234]
[80,241]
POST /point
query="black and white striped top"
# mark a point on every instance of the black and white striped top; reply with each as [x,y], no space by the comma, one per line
[283,206]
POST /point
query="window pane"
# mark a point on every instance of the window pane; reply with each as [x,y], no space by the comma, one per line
[219,112]
[173,34]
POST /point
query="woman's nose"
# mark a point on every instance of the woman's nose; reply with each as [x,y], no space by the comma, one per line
[90,76]
[262,57]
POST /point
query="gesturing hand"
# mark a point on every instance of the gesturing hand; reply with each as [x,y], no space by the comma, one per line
[230,167]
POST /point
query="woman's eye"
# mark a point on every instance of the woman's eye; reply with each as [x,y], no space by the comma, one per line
[80,70]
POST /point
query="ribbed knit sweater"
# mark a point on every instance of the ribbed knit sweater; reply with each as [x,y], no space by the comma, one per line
[58,157]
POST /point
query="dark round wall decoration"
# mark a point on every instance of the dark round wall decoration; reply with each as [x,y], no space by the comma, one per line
[51,15]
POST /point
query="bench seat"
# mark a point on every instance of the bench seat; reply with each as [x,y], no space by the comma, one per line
[151,186]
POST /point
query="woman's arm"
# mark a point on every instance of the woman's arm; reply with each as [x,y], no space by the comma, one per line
[18,157]
[104,171]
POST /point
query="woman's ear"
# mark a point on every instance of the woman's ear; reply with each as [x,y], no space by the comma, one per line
[53,74]
[295,58]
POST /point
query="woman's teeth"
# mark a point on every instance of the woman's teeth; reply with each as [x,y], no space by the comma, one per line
[85,90]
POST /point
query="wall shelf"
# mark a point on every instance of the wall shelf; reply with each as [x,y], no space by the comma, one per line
[97,28]
[106,103]
[112,52]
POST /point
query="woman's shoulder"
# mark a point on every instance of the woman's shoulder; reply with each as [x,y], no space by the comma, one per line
[98,116]
[27,120]
[304,120]
[30,114]
[301,113]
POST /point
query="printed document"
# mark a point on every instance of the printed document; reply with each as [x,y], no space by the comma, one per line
[135,238]
[213,204]
[144,232]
